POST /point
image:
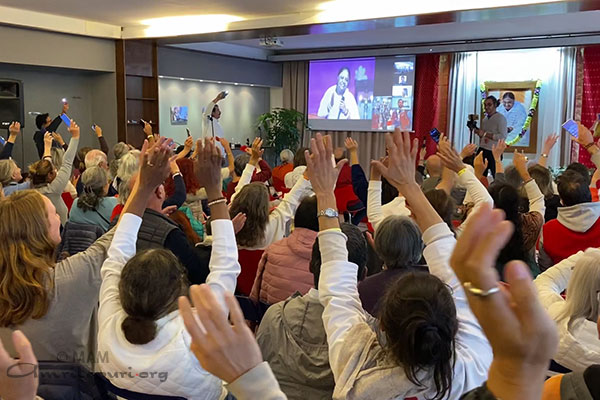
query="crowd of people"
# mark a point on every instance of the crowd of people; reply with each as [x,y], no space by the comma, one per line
[193,273]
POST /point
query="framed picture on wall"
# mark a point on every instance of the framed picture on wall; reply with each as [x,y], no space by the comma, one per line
[179,115]
[515,101]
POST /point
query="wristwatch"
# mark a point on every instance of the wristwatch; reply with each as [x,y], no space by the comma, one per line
[328,212]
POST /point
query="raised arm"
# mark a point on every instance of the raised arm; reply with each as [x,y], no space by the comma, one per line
[154,168]
[64,173]
[547,148]
[498,150]
[229,153]
[13,130]
[554,281]
[586,140]
[338,291]
[535,196]
[224,266]
[246,178]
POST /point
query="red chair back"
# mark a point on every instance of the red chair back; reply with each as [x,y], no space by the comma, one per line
[249,260]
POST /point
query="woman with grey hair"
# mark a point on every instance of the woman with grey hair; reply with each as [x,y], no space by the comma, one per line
[280,171]
[398,243]
[128,167]
[93,207]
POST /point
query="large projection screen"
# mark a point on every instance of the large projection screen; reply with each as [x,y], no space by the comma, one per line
[361,94]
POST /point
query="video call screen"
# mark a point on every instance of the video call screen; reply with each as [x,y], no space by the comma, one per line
[361,94]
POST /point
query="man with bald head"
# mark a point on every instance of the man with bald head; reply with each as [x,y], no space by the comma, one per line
[434,167]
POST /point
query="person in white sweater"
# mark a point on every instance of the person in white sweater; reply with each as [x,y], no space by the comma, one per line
[577,315]
[427,343]
[140,329]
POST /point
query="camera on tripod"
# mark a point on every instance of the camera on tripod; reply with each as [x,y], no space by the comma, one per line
[472,122]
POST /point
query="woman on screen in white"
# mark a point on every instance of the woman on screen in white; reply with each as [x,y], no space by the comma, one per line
[514,112]
[338,102]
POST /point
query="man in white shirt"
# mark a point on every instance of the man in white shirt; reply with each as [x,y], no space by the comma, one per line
[515,114]
[338,102]
[210,121]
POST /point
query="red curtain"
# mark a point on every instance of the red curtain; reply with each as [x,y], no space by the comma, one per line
[590,102]
[426,111]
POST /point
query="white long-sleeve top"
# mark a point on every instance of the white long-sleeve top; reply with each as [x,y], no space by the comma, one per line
[376,213]
[476,192]
[578,348]
[176,370]
[283,213]
[357,358]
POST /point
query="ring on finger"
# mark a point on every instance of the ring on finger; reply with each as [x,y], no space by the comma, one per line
[469,287]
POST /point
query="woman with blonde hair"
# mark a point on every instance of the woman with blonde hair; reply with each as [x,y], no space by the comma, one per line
[48,181]
[54,304]
[576,315]
[10,176]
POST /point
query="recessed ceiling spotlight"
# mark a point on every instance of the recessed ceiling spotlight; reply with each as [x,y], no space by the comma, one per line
[252,84]
[219,82]
[200,80]
[181,79]
[236,84]
[160,76]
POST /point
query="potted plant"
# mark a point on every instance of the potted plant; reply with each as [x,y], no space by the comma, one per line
[281,127]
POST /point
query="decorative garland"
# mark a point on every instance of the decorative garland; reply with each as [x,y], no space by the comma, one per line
[530,113]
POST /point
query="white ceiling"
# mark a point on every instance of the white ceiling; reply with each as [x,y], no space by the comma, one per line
[131,12]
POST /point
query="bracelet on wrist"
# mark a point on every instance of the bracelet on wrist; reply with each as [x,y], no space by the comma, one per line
[587,146]
[217,201]
[462,171]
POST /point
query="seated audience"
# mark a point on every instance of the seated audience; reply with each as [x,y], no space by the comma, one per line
[54,304]
[262,228]
[50,182]
[577,226]
[93,206]
[521,245]
[543,178]
[280,171]
[299,167]
[261,170]
[10,176]
[398,243]
[292,337]
[576,316]
[139,327]
[433,345]
[283,269]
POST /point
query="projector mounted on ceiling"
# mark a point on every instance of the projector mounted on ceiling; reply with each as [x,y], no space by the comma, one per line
[270,41]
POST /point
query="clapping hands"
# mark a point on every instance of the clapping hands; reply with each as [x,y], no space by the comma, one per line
[402,155]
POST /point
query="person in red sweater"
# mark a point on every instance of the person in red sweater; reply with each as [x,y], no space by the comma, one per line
[240,163]
[577,226]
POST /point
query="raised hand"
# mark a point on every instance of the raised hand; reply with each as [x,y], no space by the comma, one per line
[74,130]
[468,150]
[98,131]
[450,158]
[65,108]
[549,143]
[48,138]
[14,130]
[522,335]
[351,144]
[18,377]
[207,167]
[402,156]
[520,163]
[188,144]
[256,151]
[155,164]
[320,165]
[168,210]
[238,222]
[585,138]
[498,149]
[226,350]
[147,129]
[479,165]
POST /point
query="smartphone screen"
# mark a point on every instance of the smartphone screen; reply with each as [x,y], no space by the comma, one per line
[571,127]
[94,127]
[435,135]
[66,119]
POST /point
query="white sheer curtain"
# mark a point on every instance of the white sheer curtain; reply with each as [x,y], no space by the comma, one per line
[568,83]
[462,97]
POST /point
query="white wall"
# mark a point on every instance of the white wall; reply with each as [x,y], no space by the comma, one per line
[240,109]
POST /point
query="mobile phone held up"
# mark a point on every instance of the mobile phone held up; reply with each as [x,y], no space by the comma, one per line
[94,127]
[435,135]
[66,119]
[572,127]
[225,93]
[188,132]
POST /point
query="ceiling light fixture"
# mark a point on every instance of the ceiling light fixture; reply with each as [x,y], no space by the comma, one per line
[181,79]
[351,10]
[188,24]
